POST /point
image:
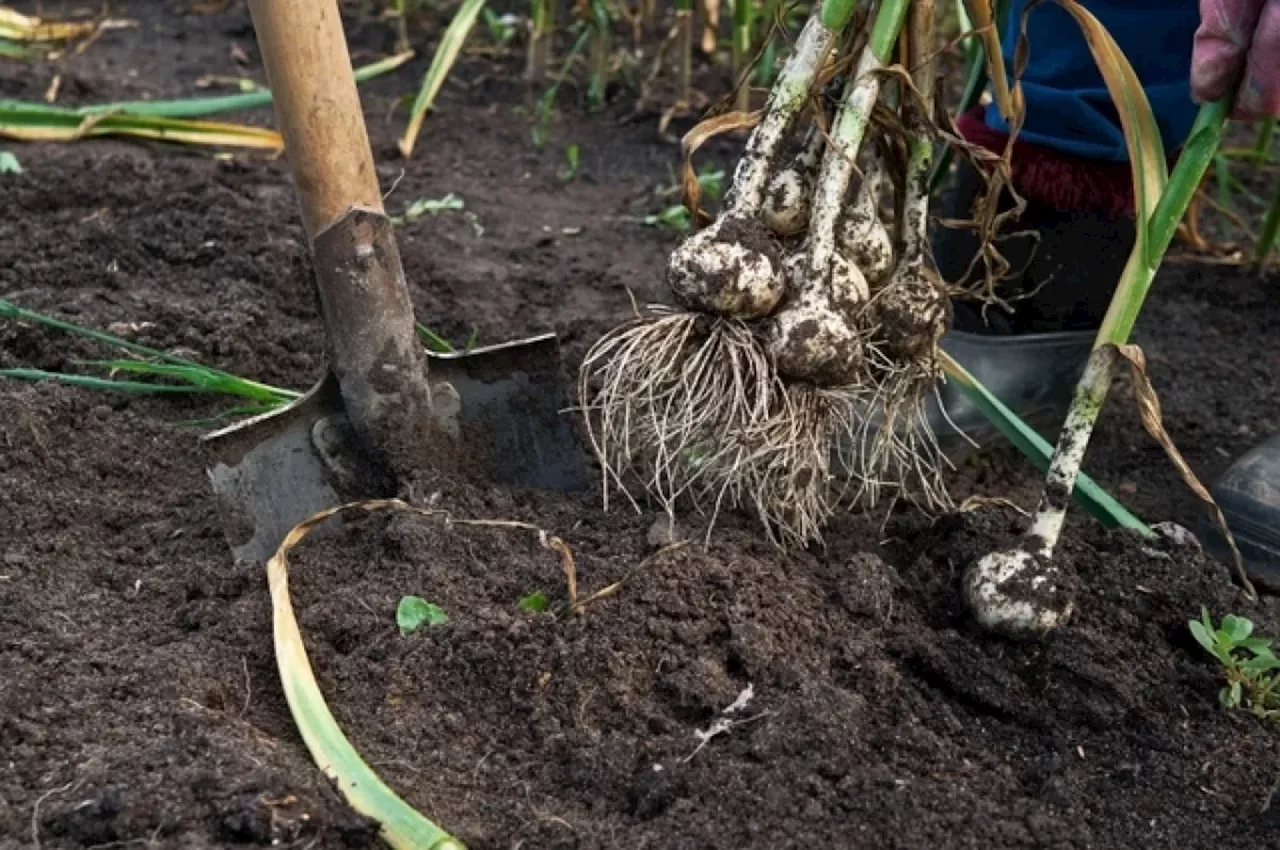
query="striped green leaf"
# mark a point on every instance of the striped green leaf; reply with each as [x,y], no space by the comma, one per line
[1097,501]
[446,54]
[402,826]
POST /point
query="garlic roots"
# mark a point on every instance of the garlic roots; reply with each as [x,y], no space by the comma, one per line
[803,313]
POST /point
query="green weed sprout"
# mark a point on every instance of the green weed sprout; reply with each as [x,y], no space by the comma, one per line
[414,612]
[1248,661]
[535,602]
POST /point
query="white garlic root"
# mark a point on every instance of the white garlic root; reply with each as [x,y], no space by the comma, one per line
[790,482]
[787,197]
[668,399]
[750,399]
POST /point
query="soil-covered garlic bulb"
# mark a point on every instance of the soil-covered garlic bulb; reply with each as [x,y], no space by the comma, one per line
[786,202]
[788,197]
[863,237]
[731,269]
[1018,593]
[814,338]
[913,312]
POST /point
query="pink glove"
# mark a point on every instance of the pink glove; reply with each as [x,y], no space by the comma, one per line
[1238,46]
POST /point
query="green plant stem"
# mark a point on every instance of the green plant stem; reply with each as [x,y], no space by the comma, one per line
[1222,174]
[1100,504]
[202,106]
[885,29]
[1262,142]
[1270,227]
[1126,303]
[447,51]
[684,47]
[764,70]
[93,383]
[847,132]
[915,215]
[601,46]
[836,14]
[539,53]
[542,113]
[1197,153]
[402,24]
[9,310]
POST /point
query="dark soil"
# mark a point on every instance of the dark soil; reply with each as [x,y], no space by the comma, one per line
[139,700]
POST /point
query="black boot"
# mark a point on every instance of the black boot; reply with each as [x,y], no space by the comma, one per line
[1065,267]
[1032,357]
[1249,495]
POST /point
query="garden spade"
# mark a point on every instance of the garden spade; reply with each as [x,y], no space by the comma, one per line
[386,411]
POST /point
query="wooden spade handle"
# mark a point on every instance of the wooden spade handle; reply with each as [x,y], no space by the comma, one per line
[317,107]
[373,350]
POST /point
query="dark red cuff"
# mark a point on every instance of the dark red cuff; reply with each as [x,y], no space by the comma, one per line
[1053,179]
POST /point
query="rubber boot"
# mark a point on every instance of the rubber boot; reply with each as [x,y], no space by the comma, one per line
[1064,269]
[1031,357]
[1249,495]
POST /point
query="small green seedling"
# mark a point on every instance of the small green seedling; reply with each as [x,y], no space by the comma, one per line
[9,163]
[542,113]
[675,217]
[534,602]
[711,183]
[433,341]
[414,612]
[434,206]
[243,84]
[572,162]
[437,344]
[1249,662]
[12,50]
[502,28]
[430,206]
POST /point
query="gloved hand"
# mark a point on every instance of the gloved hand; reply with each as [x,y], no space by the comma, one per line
[1238,45]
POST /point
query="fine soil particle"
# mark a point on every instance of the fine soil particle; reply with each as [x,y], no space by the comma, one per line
[141,705]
